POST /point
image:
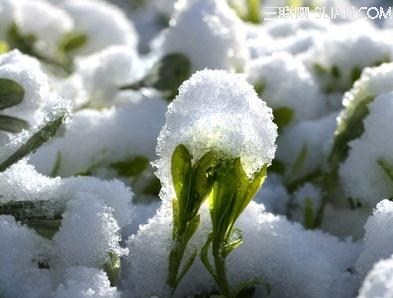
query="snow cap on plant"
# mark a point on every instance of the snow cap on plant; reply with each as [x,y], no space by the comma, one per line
[218,140]
[367,173]
[208,33]
[216,111]
[103,23]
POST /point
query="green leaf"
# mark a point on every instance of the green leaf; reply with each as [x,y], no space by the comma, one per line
[247,288]
[112,268]
[187,266]
[131,167]
[166,75]
[335,72]
[205,255]
[40,137]
[17,40]
[3,47]
[236,239]
[228,183]
[282,116]
[181,169]
[319,69]
[355,74]
[191,228]
[153,187]
[300,159]
[253,11]
[308,214]
[259,88]
[386,169]
[349,128]
[72,41]
[169,73]
[12,124]
[202,174]
[46,228]
[11,93]
[56,166]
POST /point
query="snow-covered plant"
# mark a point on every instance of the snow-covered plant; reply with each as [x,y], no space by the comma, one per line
[208,33]
[208,157]
[351,126]
[338,60]
[30,113]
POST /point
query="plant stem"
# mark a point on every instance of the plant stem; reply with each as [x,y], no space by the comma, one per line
[220,268]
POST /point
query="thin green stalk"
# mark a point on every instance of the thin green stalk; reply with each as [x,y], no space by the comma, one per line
[221,274]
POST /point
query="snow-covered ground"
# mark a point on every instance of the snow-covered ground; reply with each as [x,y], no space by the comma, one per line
[138,133]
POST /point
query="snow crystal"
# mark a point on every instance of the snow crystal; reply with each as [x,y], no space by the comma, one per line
[218,111]
[209,33]
[83,282]
[104,24]
[378,238]
[365,173]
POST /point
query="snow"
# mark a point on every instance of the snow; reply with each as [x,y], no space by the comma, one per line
[209,33]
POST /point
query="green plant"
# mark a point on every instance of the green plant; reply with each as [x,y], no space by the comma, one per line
[225,183]
[232,190]
[192,183]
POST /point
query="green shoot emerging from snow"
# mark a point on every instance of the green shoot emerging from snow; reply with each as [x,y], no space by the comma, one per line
[229,190]
[192,183]
[232,191]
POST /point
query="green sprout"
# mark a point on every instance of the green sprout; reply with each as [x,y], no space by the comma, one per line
[232,191]
[192,184]
[225,183]
[166,75]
